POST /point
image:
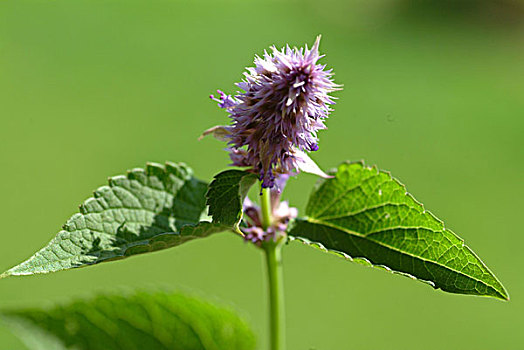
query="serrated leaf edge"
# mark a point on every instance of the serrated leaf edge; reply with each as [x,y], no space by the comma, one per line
[504,295]
[151,169]
[358,260]
[242,186]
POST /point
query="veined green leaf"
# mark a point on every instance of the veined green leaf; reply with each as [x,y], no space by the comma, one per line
[365,215]
[226,195]
[152,321]
[147,210]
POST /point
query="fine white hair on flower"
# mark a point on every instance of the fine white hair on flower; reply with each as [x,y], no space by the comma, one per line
[275,118]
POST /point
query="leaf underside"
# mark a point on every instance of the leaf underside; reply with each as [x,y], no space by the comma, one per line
[365,215]
[147,210]
[153,321]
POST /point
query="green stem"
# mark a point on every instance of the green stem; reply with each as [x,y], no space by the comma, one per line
[266,210]
[273,252]
[276,295]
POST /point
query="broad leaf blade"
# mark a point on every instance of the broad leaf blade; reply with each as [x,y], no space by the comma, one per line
[147,210]
[226,195]
[366,215]
[153,321]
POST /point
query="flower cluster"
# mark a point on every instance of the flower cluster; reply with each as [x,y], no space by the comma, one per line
[275,120]
[282,214]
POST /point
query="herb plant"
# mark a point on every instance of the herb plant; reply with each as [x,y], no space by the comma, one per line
[357,212]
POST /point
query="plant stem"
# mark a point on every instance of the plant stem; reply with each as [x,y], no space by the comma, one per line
[265,206]
[273,252]
[276,295]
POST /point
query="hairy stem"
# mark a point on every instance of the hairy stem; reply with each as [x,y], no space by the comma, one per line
[276,295]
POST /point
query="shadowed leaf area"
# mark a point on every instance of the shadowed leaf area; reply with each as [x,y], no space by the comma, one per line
[152,321]
[147,210]
[365,215]
[226,195]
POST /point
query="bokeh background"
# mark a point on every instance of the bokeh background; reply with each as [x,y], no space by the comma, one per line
[433,91]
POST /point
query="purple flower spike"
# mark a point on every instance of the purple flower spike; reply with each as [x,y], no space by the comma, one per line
[225,101]
[276,119]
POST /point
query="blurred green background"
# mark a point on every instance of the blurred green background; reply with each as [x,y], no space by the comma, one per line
[433,91]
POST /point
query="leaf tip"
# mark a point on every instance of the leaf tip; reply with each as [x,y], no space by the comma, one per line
[499,295]
[504,295]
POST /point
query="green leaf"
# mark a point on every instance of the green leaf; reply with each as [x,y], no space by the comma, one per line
[365,215]
[152,321]
[147,210]
[226,195]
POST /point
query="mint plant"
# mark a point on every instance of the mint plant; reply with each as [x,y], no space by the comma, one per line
[357,212]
